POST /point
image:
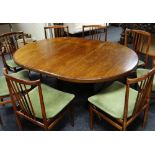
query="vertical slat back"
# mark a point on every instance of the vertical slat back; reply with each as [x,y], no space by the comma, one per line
[23,98]
[20,93]
[139,41]
[59,31]
[9,41]
[10,44]
[94,31]
[144,91]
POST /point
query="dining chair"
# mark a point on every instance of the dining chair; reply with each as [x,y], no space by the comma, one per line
[142,71]
[9,43]
[56,31]
[4,92]
[43,105]
[120,104]
[95,32]
[139,41]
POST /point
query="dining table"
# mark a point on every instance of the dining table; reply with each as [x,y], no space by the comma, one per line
[77,60]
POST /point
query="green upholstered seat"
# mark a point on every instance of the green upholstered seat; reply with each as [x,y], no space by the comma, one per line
[111,100]
[11,63]
[54,100]
[142,72]
[3,85]
[140,62]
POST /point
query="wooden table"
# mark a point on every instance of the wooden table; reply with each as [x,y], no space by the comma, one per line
[77,60]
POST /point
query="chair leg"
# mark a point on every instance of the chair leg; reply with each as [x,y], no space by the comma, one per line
[1,120]
[124,126]
[14,70]
[91,117]
[59,84]
[40,76]
[71,115]
[45,128]
[29,73]
[18,122]
[2,101]
[145,117]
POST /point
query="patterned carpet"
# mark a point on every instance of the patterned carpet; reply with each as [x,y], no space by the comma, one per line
[81,116]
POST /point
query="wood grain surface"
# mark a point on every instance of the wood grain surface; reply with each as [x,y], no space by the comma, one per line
[77,59]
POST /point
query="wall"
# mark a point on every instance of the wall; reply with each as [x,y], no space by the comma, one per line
[4,28]
[77,27]
[35,29]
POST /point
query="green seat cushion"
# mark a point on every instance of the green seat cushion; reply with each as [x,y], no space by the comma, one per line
[3,85]
[11,63]
[54,100]
[142,72]
[111,100]
[140,62]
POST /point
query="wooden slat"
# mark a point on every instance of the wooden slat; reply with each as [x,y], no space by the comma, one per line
[95,31]
[140,41]
[58,30]
[10,44]
[19,92]
[141,103]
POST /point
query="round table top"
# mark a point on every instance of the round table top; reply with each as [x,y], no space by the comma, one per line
[77,59]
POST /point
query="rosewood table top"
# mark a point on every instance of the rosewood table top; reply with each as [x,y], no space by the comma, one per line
[77,59]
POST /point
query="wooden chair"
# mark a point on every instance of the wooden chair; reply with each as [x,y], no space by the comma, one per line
[9,46]
[4,92]
[43,105]
[120,104]
[95,32]
[142,71]
[56,31]
[139,41]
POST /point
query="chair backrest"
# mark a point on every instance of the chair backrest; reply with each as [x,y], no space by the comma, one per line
[95,32]
[9,43]
[56,31]
[25,106]
[139,41]
[144,92]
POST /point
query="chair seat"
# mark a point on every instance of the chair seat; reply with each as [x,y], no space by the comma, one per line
[11,63]
[111,100]
[54,100]
[3,85]
[142,72]
[140,62]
